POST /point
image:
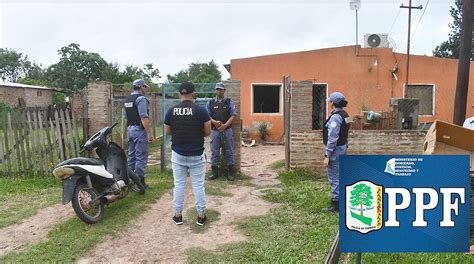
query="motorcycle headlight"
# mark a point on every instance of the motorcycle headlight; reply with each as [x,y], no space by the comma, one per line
[63,173]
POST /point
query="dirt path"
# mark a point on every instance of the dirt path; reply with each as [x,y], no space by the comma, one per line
[154,238]
[34,229]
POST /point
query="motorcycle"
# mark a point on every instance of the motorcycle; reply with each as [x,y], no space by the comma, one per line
[91,183]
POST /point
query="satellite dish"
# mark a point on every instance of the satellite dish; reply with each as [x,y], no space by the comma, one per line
[374,40]
[354,4]
[469,123]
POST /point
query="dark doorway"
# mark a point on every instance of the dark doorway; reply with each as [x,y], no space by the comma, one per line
[319,105]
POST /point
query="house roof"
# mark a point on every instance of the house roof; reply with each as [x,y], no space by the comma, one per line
[19,85]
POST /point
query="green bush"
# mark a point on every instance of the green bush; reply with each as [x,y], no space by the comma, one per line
[59,99]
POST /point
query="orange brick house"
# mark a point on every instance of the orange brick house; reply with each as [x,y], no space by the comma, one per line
[368,79]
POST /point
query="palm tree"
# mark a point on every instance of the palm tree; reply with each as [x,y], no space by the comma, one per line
[361,195]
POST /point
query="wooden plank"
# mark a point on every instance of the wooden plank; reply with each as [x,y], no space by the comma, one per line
[124,131]
[17,142]
[34,160]
[76,133]
[23,141]
[54,147]
[12,144]
[38,142]
[59,137]
[2,157]
[26,135]
[64,134]
[7,140]
[48,140]
[71,133]
[43,141]
[21,135]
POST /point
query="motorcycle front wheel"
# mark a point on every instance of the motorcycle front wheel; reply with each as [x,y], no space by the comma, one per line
[82,203]
[135,182]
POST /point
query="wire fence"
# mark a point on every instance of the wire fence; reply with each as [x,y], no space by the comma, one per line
[415,107]
[170,97]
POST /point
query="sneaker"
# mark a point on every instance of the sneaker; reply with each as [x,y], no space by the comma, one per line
[178,220]
[201,220]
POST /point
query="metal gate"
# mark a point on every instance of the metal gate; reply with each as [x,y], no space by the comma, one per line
[170,97]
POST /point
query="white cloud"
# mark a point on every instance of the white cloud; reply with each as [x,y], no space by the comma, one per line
[172,35]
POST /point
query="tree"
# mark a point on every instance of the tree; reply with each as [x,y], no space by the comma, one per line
[198,73]
[12,65]
[59,99]
[76,68]
[130,73]
[361,195]
[150,72]
[450,48]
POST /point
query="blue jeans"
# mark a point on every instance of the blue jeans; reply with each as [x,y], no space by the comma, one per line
[196,166]
[137,150]
[333,171]
[217,140]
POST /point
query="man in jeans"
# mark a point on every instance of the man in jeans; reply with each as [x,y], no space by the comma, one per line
[188,124]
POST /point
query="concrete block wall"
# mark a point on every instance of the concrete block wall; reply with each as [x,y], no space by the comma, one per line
[386,142]
[233,92]
[149,96]
[10,95]
[307,149]
[37,97]
[98,105]
[301,106]
[77,108]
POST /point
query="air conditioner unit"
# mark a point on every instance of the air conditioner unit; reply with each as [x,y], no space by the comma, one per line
[376,41]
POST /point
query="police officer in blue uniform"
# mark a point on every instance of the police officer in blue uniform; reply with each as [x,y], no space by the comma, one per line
[223,112]
[335,138]
[139,129]
[188,124]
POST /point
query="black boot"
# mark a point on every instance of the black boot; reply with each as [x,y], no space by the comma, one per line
[215,173]
[230,172]
[333,207]
[143,182]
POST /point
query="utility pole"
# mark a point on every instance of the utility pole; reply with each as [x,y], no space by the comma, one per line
[462,84]
[410,7]
[355,5]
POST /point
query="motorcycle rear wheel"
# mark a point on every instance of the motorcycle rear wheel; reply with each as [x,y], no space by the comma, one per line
[135,182]
[82,204]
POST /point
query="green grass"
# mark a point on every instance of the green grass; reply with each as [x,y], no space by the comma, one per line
[68,241]
[277,165]
[296,231]
[191,217]
[21,197]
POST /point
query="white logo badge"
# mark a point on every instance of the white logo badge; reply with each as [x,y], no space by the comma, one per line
[364,207]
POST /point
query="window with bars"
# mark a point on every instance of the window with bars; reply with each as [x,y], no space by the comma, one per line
[424,93]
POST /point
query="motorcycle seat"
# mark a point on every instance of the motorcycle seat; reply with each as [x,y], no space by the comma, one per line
[81,161]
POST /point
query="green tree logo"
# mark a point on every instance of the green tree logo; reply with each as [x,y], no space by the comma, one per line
[361,195]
